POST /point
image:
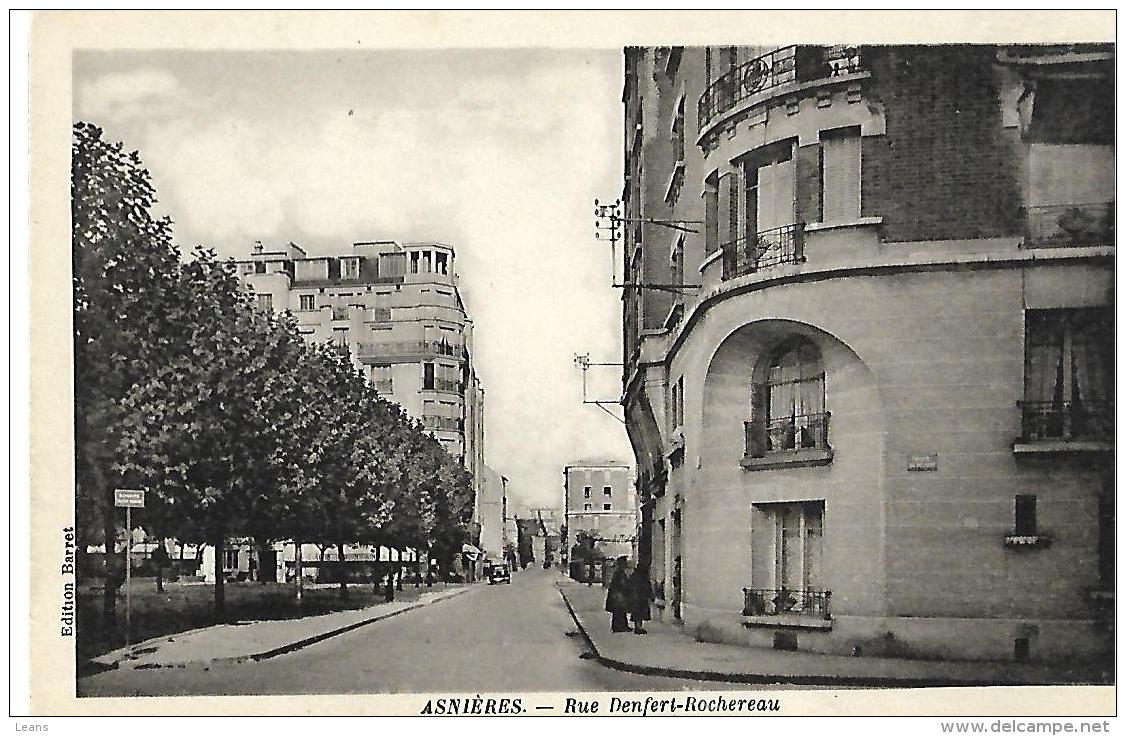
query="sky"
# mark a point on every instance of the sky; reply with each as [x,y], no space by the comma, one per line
[499,153]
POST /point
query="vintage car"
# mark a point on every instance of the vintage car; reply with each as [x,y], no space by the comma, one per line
[499,573]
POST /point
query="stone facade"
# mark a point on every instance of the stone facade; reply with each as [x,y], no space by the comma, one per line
[397,310]
[842,436]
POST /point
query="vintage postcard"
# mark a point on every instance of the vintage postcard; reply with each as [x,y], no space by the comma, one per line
[549,363]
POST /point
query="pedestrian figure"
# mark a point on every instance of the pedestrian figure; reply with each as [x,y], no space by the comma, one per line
[641,593]
[618,597]
[389,589]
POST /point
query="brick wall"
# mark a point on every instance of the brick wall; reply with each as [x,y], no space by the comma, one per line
[946,168]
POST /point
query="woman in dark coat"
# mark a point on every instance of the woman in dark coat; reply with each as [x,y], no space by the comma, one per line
[618,597]
[641,593]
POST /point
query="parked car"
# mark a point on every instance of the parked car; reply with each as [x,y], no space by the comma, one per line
[499,574]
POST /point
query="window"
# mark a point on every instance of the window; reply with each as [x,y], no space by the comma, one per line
[678,132]
[711,212]
[788,407]
[230,559]
[606,507]
[678,263]
[349,268]
[587,507]
[428,375]
[340,337]
[586,491]
[786,559]
[1024,516]
[607,490]
[676,404]
[308,302]
[840,175]
[769,190]
[1068,374]
[265,302]
[259,267]
[381,378]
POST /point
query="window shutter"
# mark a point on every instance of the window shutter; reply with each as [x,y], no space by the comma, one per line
[840,178]
[725,207]
[732,206]
[756,431]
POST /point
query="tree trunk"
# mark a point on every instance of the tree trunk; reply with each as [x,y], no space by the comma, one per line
[109,565]
[159,575]
[298,576]
[220,592]
[342,571]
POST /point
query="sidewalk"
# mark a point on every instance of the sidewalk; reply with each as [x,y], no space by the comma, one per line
[665,650]
[256,640]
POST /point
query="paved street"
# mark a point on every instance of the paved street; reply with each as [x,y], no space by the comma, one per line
[503,638]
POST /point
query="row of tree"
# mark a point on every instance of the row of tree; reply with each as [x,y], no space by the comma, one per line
[232,422]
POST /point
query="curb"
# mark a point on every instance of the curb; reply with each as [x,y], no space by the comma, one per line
[277,651]
[755,678]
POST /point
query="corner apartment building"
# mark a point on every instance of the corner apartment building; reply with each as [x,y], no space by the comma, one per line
[599,499]
[871,403]
[397,310]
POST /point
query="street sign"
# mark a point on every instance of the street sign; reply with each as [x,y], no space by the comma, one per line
[129,498]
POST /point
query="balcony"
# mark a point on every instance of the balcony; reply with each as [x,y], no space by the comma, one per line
[789,64]
[787,441]
[784,607]
[383,385]
[340,312]
[1069,225]
[764,249]
[406,350]
[1053,426]
[444,384]
[443,424]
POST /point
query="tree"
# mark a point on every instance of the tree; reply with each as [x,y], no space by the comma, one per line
[209,433]
[125,269]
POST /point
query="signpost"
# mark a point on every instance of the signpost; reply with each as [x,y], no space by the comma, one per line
[130,499]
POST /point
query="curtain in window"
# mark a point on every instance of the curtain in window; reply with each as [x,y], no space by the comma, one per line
[1090,371]
[813,524]
[1044,360]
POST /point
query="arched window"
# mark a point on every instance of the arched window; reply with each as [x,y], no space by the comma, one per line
[788,406]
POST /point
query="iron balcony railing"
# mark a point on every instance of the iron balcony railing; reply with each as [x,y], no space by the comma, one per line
[408,348]
[1069,224]
[787,434]
[445,424]
[445,384]
[773,602]
[1067,420]
[773,69]
[785,244]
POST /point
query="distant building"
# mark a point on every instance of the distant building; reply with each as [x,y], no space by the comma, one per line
[600,500]
[490,512]
[397,310]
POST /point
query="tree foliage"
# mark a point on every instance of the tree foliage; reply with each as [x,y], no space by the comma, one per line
[233,423]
